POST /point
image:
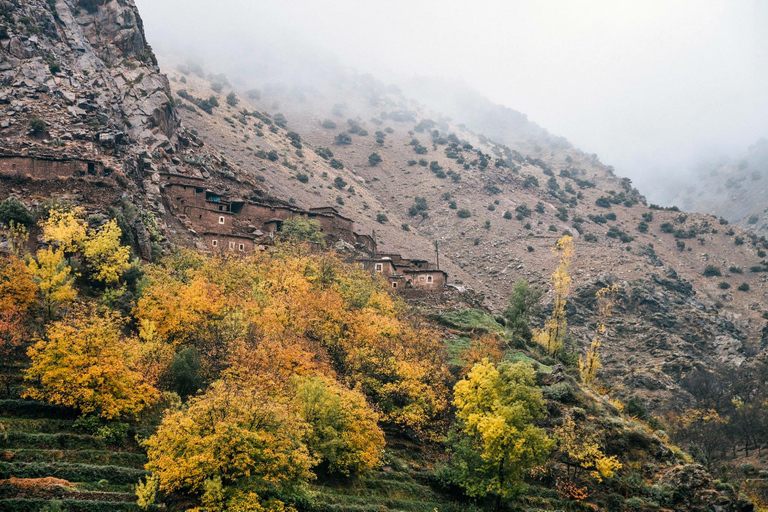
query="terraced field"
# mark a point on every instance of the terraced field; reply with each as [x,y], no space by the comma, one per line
[46,464]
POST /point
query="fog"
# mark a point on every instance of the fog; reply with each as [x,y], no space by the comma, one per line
[652,87]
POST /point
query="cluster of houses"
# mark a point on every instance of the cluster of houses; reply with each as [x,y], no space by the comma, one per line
[236,224]
[240,224]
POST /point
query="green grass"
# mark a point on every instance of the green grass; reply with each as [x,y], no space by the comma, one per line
[456,348]
[103,457]
[471,320]
[522,356]
[37,505]
[35,426]
[59,441]
[38,440]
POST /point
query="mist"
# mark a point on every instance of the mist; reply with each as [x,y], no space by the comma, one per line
[652,87]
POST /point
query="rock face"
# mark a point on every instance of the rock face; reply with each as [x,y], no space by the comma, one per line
[692,490]
[84,67]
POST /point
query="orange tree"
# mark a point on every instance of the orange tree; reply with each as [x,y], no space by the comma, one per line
[86,363]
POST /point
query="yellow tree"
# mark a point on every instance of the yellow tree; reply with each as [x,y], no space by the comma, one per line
[18,237]
[552,337]
[233,442]
[54,279]
[84,362]
[104,254]
[579,448]
[497,408]
[65,228]
[589,365]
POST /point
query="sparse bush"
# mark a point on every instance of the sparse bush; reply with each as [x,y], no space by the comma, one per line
[339,182]
[603,202]
[381,218]
[342,139]
[232,100]
[508,215]
[374,159]
[302,177]
[463,213]
[711,271]
[723,285]
[561,392]
[280,120]
[530,181]
[336,164]
[328,124]
[36,126]
[743,287]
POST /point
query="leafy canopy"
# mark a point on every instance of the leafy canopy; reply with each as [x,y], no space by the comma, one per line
[85,362]
[497,408]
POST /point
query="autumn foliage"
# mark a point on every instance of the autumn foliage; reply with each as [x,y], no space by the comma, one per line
[85,362]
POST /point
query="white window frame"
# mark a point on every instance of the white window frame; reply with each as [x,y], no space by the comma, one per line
[231,245]
[241,247]
[429,279]
[421,278]
[221,219]
[214,243]
[394,284]
[379,267]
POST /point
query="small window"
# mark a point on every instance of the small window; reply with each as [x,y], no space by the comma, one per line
[242,247]
[394,285]
[221,220]
[379,267]
[421,278]
[231,245]
[214,243]
[429,279]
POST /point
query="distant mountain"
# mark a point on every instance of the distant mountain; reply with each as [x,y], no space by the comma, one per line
[735,189]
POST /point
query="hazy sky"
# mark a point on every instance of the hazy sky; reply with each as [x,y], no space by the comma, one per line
[647,85]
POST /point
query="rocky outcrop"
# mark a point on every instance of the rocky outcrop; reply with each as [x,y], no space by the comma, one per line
[692,490]
[84,68]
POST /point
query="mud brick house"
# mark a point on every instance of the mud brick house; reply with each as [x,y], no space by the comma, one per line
[405,274]
[49,168]
[231,223]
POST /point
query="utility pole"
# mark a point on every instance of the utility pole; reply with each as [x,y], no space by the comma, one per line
[437,255]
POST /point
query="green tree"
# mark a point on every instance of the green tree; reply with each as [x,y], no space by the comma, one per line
[523,305]
[302,229]
[374,159]
[496,410]
[11,209]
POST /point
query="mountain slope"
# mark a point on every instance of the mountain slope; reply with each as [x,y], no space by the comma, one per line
[671,319]
[735,189]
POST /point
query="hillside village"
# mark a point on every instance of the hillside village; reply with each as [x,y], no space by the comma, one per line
[169,343]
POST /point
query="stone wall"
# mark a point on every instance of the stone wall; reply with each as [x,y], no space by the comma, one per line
[50,169]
